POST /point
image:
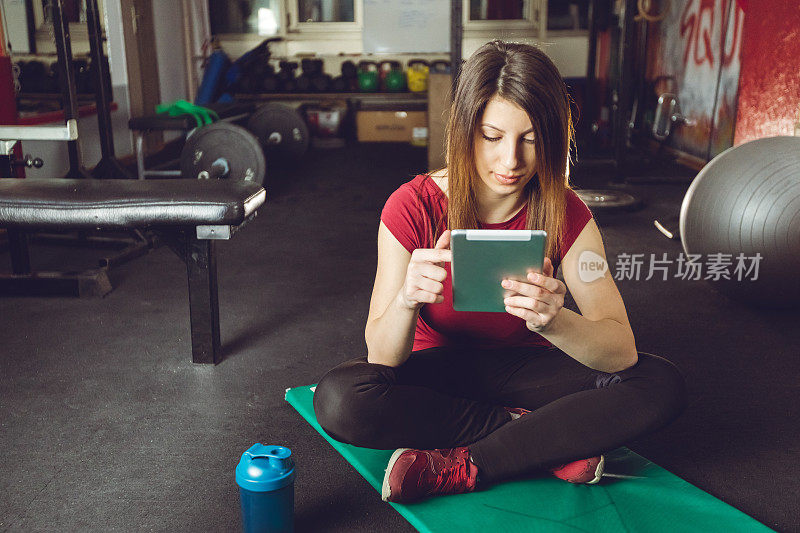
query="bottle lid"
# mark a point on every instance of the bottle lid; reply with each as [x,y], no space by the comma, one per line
[264,468]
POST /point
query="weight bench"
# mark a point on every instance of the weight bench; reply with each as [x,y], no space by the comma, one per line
[187,215]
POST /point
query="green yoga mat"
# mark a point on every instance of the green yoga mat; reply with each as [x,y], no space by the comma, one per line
[647,499]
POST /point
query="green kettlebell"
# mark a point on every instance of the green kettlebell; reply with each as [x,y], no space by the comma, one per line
[367,76]
[395,81]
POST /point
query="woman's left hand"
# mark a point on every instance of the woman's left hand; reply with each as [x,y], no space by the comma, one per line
[538,300]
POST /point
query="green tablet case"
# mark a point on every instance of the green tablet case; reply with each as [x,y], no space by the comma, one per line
[483,258]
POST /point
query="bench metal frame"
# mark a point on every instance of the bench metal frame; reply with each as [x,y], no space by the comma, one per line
[196,246]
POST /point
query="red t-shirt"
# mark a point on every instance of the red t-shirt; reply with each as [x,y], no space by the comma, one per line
[438,324]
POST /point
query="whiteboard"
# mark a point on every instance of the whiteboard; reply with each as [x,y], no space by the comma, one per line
[406,26]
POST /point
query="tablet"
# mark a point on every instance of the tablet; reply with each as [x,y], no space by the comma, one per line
[482,258]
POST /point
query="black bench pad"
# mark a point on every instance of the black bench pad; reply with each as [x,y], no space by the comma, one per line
[87,203]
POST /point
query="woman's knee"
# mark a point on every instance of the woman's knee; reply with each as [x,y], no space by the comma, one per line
[344,395]
[666,383]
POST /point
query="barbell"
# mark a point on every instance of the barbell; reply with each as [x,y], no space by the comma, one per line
[226,151]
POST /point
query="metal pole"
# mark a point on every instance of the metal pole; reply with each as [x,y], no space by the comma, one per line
[31,27]
[201,267]
[588,112]
[108,167]
[621,130]
[20,256]
[456,36]
[102,98]
[67,80]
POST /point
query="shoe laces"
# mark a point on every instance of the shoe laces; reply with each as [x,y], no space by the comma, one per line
[453,477]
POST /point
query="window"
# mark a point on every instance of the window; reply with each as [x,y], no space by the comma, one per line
[495,16]
[326,11]
[259,17]
[498,9]
[567,15]
[319,16]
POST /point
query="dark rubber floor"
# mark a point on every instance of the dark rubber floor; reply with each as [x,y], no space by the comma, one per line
[106,425]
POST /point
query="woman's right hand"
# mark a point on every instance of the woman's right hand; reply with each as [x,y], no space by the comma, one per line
[425,274]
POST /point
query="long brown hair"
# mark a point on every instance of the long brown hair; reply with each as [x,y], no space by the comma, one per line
[524,75]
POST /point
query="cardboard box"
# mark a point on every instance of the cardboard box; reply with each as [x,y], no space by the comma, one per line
[389,126]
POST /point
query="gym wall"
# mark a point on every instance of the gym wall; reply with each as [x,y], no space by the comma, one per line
[170,55]
[769,83]
[694,52]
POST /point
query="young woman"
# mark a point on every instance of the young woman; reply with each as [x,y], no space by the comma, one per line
[476,398]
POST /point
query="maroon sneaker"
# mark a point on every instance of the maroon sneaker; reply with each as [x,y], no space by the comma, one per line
[414,474]
[587,471]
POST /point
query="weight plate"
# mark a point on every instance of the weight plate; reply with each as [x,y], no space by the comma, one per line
[608,199]
[229,142]
[281,130]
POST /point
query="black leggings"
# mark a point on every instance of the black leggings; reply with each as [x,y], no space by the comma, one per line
[449,397]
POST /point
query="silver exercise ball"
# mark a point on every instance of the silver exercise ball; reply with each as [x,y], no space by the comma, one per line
[747,200]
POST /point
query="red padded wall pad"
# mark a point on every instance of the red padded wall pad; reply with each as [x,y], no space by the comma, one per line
[769,81]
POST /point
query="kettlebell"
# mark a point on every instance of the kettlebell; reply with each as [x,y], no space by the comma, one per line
[417,75]
[287,82]
[35,77]
[395,79]
[339,84]
[384,67]
[367,76]
[303,82]
[321,83]
[349,69]
[441,66]
[350,76]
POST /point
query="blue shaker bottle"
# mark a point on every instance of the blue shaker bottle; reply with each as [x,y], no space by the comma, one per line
[265,476]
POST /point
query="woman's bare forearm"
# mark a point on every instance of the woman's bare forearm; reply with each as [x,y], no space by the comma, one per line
[604,345]
[390,336]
